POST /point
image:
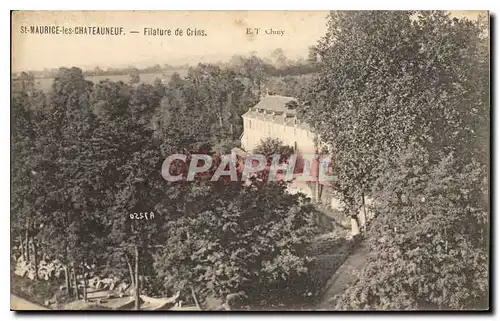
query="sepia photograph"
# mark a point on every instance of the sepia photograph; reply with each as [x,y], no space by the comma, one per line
[250,161]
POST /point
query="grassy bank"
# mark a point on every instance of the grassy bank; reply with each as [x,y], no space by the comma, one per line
[35,291]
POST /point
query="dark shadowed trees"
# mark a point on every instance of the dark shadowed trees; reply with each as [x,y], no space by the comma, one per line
[402,98]
[237,240]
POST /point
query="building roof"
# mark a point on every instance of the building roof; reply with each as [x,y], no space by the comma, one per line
[273,108]
[275,103]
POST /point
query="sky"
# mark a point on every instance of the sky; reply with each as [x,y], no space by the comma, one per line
[226,35]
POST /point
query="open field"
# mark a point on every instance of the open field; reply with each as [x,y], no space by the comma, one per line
[45,84]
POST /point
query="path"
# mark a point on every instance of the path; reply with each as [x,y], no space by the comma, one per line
[343,277]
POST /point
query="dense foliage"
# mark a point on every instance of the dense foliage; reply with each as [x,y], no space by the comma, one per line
[86,157]
[240,240]
[402,98]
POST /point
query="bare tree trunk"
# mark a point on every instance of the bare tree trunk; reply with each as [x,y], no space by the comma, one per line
[35,258]
[21,246]
[195,298]
[67,277]
[67,272]
[131,271]
[27,243]
[137,286]
[84,283]
[75,281]
[84,289]
[363,216]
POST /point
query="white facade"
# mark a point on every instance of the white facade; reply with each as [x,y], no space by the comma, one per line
[270,118]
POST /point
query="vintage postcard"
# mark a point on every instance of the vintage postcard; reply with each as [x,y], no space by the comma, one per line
[250,160]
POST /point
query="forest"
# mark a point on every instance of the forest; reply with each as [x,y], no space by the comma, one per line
[403,99]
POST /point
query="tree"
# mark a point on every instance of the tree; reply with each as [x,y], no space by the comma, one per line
[145,101]
[69,211]
[205,107]
[48,142]
[26,81]
[134,76]
[279,57]
[380,86]
[96,71]
[272,146]
[128,158]
[429,242]
[232,240]
[394,84]
[253,69]
[25,181]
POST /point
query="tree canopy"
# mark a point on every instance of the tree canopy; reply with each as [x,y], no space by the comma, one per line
[402,98]
[88,164]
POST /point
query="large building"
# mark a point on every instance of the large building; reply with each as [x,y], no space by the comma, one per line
[271,117]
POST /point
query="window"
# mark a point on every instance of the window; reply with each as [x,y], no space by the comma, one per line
[250,124]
